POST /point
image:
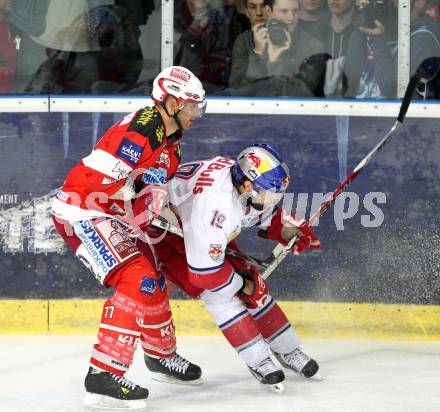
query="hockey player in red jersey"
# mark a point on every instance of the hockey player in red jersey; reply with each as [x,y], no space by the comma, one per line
[213,200]
[134,159]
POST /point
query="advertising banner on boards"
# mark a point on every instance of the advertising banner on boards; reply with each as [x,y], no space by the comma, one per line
[380,241]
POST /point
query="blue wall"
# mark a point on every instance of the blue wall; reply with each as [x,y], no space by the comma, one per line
[399,261]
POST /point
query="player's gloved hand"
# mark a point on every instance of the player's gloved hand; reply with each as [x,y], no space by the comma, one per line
[255,292]
[306,239]
[284,226]
[146,207]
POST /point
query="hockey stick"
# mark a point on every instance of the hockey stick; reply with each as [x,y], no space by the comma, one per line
[280,252]
[164,225]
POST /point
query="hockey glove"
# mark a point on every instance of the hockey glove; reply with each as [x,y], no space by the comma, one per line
[258,294]
[285,226]
[146,207]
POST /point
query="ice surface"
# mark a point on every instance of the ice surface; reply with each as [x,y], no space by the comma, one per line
[45,373]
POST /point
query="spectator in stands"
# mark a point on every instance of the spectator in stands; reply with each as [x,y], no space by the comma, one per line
[120,56]
[425,42]
[27,18]
[275,49]
[347,46]
[204,35]
[242,18]
[91,46]
[7,49]
[434,10]
[313,18]
[244,45]
[71,49]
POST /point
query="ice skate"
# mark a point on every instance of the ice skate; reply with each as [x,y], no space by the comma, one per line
[269,375]
[300,363]
[108,391]
[174,370]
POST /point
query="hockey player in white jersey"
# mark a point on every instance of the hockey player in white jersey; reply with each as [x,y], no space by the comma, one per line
[213,200]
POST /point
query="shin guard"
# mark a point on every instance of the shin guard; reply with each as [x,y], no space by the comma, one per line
[118,335]
[238,326]
[275,327]
[158,337]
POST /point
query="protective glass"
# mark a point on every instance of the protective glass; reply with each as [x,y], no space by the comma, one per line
[194,109]
[265,198]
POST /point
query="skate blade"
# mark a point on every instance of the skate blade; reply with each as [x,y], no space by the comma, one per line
[95,401]
[161,377]
[276,388]
[316,377]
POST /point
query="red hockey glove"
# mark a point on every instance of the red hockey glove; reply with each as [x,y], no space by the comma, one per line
[284,226]
[260,291]
[146,207]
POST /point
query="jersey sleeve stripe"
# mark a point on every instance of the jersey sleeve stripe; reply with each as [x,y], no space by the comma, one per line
[231,286]
[107,164]
[206,271]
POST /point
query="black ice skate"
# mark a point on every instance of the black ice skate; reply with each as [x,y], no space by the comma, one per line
[269,375]
[174,370]
[108,391]
[300,363]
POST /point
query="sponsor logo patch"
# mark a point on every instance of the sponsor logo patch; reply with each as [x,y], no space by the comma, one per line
[154,176]
[98,250]
[129,151]
[148,285]
[62,196]
[180,74]
[115,208]
[120,241]
[215,251]
[173,87]
[121,170]
[164,158]
[192,96]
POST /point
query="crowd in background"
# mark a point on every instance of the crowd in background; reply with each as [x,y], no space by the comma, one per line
[294,48]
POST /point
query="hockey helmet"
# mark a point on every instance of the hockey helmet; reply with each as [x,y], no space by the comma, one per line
[263,167]
[181,83]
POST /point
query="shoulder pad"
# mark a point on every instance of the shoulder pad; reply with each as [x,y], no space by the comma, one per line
[148,123]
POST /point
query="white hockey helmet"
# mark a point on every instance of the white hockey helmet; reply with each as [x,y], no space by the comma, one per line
[181,83]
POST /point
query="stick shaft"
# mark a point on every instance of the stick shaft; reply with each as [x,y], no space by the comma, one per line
[280,252]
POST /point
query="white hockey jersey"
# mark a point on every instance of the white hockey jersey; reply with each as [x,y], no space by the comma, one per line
[211,215]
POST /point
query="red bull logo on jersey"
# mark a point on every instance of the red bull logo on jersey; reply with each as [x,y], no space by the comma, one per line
[215,251]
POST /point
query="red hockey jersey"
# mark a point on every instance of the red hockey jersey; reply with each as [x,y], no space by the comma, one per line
[137,146]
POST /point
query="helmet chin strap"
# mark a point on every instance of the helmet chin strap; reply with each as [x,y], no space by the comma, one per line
[175,116]
[177,120]
[247,200]
[256,206]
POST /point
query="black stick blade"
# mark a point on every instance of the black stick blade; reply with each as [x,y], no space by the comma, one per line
[429,68]
[407,98]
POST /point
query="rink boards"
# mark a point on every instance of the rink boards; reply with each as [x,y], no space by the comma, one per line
[311,319]
[380,246]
